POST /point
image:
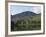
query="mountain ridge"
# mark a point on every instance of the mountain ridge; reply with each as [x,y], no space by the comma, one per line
[26,13]
[23,15]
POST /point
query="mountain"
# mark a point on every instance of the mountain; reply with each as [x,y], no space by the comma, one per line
[26,13]
[23,15]
[26,21]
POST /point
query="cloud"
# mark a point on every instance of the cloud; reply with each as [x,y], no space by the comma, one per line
[36,10]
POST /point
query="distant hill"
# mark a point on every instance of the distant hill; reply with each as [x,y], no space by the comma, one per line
[26,21]
[23,15]
[26,13]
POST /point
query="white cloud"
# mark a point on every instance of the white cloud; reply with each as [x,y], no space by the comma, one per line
[36,10]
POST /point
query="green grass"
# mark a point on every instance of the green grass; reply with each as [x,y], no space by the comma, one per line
[28,23]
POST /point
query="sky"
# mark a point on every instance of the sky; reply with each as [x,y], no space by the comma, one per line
[16,9]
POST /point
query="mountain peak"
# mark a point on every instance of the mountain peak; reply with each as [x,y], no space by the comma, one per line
[25,13]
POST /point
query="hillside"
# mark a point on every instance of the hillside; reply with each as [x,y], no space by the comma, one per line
[22,15]
[26,22]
